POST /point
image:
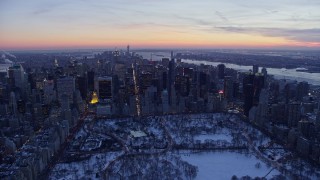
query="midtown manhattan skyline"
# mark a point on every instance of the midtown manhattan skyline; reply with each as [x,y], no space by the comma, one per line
[45,24]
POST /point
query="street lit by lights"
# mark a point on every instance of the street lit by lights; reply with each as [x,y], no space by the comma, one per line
[136,91]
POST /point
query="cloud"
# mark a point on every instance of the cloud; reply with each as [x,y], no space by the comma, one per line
[220,15]
[301,35]
[197,21]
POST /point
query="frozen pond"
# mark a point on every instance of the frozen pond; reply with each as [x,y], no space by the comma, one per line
[215,137]
[223,165]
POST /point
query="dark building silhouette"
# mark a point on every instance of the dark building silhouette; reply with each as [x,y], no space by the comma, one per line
[228,87]
[248,98]
[252,86]
[221,68]
[248,90]
[81,84]
[90,75]
[21,106]
[164,80]
[255,69]
[104,88]
[258,84]
[236,89]
[171,77]
[302,90]
[31,80]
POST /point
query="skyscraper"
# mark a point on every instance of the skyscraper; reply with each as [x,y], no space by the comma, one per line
[103,86]
[294,114]
[255,69]
[65,85]
[16,76]
[13,104]
[171,76]
[81,84]
[248,98]
[221,68]
[90,75]
[258,84]
[228,87]
[302,90]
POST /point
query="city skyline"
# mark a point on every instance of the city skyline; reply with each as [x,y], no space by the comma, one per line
[159,24]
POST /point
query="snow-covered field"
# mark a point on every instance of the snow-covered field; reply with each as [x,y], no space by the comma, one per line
[86,169]
[223,165]
[215,137]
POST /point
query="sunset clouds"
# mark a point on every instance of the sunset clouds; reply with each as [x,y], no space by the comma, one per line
[151,23]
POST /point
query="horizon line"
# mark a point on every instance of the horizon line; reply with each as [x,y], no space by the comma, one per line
[279,48]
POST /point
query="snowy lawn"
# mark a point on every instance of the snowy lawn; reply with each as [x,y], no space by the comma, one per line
[223,165]
[215,137]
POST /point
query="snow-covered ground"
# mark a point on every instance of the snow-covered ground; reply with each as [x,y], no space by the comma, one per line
[215,137]
[86,169]
[225,164]
[195,136]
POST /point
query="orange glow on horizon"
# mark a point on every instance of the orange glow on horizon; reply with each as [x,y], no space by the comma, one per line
[173,40]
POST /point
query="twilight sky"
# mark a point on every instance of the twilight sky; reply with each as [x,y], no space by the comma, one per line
[44,24]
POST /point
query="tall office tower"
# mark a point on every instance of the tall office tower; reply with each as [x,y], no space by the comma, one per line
[258,84]
[48,91]
[261,114]
[65,104]
[302,90]
[182,85]
[115,85]
[248,78]
[103,86]
[257,81]
[248,98]
[128,51]
[65,85]
[165,101]
[164,81]
[13,104]
[278,113]
[82,85]
[203,81]
[16,76]
[37,116]
[294,114]
[228,88]
[31,80]
[255,69]
[145,81]
[171,76]
[221,68]
[90,75]
[236,89]
[264,72]
[11,81]
[165,62]
[115,57]
[21,105]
